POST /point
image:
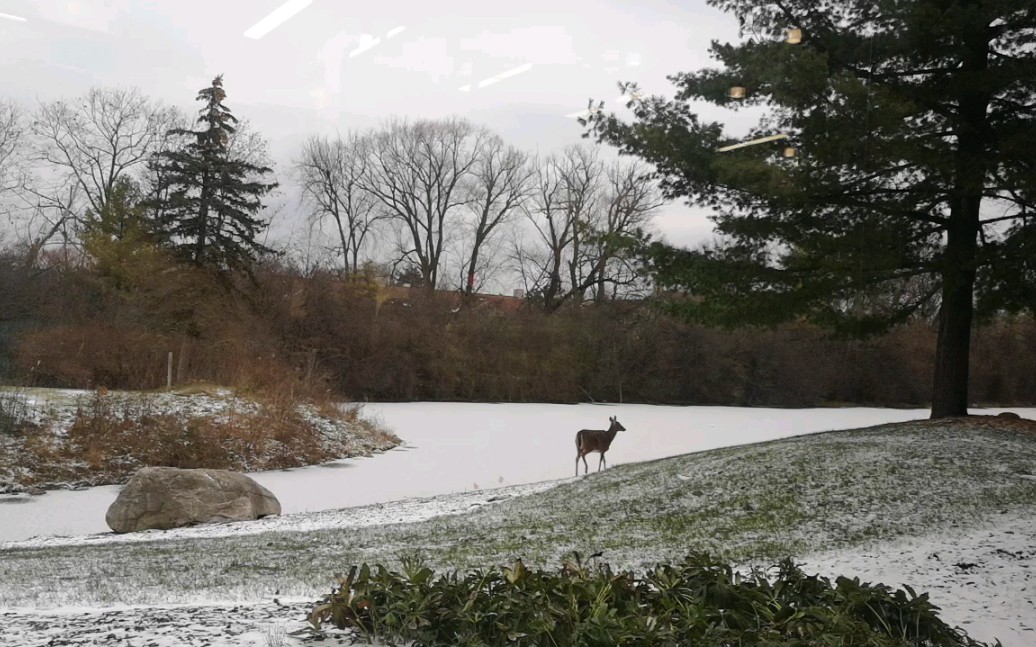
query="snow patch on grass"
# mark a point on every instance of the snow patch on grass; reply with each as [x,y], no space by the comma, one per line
[877,502]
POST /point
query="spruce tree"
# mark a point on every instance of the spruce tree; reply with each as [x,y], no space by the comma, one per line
[212,193]
[911,172]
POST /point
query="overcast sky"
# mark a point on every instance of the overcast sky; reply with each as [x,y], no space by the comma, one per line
[517,67]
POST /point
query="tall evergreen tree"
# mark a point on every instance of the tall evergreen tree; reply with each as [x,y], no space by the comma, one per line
[212,193]
[912,125]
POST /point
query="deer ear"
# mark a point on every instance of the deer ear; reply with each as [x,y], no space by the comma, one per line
[611,419]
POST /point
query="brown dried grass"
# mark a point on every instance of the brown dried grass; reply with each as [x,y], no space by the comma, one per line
[113,435]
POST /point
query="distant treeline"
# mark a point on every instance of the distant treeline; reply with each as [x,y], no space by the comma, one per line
[354,339]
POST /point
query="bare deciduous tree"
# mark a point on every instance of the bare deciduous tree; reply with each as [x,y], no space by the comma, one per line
[630,200]
[46,221]
[586,215]
[79,149]
[565,195]
[581,174]
[153,179]
[330,174]
[11,137]
[417,172]
[95,139]
[541,262]
[500,182]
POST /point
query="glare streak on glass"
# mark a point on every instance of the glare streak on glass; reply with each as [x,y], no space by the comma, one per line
[10,17]
[367,42]
[583,113]
[496,78]
[514,71]
[761,140]
[276,17]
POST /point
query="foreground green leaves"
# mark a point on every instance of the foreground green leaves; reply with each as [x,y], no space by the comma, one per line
[698,602]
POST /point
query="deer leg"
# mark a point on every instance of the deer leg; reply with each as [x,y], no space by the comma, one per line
[586,468]
[601,462]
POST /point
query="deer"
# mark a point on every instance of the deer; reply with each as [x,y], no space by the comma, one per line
[596,440]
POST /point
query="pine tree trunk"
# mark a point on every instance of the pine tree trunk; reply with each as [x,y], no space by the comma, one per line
[203,221]
[953,348]
[950,389]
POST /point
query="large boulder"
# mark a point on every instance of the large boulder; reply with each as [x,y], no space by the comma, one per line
[168,497]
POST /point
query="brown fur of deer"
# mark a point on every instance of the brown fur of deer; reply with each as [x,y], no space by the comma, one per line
[596,440]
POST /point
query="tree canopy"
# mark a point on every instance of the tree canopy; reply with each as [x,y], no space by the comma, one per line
[907,176]
[212,191]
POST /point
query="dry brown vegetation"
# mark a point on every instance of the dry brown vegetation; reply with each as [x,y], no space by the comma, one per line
[108,436]
[320,338]
[421,349]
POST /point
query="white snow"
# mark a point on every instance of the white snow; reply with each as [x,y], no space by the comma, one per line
[983,580]
[468,449]
[458,447]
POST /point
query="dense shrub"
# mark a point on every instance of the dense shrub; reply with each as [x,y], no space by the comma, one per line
[699,602]
[94,354]
[1002,361]
[352,338]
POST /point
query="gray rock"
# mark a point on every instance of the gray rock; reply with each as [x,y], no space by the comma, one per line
[168,497]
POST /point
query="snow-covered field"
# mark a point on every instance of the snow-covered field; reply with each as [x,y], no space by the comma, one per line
[458,447]
[984,579]
[980,573]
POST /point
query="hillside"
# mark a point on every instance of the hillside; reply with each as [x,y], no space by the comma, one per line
[943,487]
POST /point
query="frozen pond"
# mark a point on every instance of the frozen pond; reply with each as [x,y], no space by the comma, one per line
[453,447]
